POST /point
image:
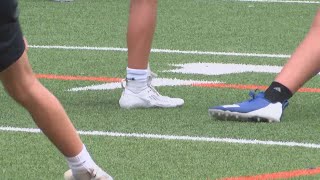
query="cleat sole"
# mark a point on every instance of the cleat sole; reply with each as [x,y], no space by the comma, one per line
[235,116]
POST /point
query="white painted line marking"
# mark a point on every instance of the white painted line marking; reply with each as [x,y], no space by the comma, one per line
[281,1]
[168,51]
[222,68]
[173,137]
[155,82]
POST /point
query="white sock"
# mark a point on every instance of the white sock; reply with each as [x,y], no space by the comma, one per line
[82,162]
[137,79]
[137,74]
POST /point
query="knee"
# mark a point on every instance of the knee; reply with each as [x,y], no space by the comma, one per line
[21,92]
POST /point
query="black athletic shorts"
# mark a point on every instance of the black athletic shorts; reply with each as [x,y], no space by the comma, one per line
[11,39]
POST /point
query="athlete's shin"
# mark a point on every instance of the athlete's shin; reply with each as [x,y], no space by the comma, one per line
[47,112]
[141,27]
[305,61]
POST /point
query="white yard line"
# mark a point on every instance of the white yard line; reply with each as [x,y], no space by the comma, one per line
[173,137]
[167,51]
[281,1]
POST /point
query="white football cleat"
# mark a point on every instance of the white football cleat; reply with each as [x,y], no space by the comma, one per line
[147,98]
[96,174]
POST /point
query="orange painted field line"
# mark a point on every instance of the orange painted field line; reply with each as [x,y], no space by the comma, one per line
[208,85]
[279,175]
[78,78]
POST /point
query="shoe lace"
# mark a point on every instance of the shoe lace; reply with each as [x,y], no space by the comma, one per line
[153,89]
[285,104]
[152,75]
[123,83]
[252,94]
[94,173]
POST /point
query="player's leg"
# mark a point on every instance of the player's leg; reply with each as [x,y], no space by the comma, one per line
[49,115]
[302,66]
[19,81]
[304,62]
[141,27]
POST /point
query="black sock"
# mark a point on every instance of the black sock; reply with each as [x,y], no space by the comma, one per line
[277,92]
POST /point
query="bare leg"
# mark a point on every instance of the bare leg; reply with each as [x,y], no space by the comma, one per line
[20,82]
[305,61]
[269,106]
[47,112]
[141,27]
[139,92]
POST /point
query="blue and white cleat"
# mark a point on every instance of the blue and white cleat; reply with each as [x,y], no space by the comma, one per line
[256,109]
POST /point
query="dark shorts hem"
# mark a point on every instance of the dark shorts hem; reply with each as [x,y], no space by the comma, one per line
[11,44]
